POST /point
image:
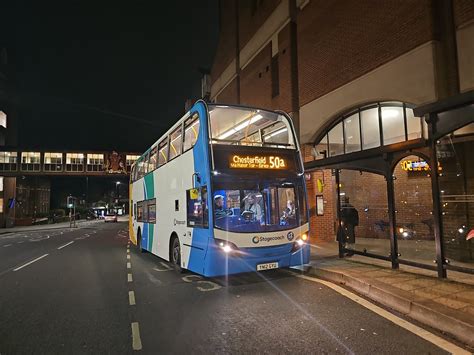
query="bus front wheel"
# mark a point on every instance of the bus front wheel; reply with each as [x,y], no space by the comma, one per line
[175,253]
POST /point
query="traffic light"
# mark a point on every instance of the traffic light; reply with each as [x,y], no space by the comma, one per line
[70,202]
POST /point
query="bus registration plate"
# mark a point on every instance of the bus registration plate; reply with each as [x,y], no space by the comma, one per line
[267,266]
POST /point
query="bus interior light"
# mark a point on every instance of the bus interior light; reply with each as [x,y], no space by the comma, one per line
[240,126]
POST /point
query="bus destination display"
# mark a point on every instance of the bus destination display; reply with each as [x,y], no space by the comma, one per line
[272,162]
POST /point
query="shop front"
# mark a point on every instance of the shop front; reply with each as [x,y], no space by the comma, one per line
[396,183]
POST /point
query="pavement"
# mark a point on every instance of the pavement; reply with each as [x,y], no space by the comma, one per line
[446,305]
[86,291]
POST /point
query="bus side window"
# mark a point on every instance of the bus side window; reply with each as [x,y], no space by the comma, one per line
[131,208]
[140,211]
[146,169]
[151,211]
[175,143]
[162,152]
[191,132]
[153,159]
[197,209]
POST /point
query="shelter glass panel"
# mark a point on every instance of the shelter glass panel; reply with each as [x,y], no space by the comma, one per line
[364,212]
[414,210]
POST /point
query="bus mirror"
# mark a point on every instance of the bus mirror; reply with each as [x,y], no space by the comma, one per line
[196,178]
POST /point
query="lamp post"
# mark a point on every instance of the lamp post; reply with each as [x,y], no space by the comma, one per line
[117,190]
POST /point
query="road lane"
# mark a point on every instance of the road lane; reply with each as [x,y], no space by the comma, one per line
[270,312]
[84,299]
[26,246]
[73,301]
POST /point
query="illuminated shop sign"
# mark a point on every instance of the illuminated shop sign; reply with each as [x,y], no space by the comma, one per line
[257,162]
[409,165]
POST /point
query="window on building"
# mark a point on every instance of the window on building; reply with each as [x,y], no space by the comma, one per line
[74,162]
[413,125]
[191,131]
[393,125]
[30,161]
[162,152]
[336,141]
[352,133]
[130,159]
[53,161]
[95,162]
[8,161]
[175,143]
[369,121]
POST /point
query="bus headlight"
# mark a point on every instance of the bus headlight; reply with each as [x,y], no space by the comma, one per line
[300,242]
[226,246]
[304,237]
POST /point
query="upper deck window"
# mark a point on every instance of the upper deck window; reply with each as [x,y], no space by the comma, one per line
[249,126]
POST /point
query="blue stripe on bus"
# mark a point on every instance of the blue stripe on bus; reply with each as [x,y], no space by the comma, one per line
[202,166]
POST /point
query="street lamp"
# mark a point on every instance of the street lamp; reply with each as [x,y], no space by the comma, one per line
[117,190]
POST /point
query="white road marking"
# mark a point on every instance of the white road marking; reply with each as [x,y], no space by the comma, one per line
[213,286]
[129,278]
[7,245]
[129,265]
[21,241]
[128,251]
[65,245]
[191,278]
[136,341]
[128,257]
[166,267]
[422,333]
[30,262]
[131,298]
[38,239]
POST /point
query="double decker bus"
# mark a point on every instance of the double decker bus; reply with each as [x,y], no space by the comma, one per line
[222,192]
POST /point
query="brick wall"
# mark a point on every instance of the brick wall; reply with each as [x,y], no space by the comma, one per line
[463,11]
[322,228]
[255,82]
[339,41]
[229,94]
[226,50]
[283,100]
[252,14]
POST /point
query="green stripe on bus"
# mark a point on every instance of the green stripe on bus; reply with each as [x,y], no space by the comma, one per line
[150,186]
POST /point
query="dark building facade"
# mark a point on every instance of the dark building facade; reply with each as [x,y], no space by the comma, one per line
[382,95]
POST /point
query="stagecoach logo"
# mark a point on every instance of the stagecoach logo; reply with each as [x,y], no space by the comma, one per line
[290,236]
[258,239]
[176,222]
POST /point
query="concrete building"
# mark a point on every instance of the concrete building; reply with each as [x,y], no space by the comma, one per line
[380,92]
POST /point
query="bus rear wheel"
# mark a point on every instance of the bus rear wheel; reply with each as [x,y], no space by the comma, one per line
[139,241]
[175,254]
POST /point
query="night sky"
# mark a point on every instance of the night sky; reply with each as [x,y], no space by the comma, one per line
[71,61]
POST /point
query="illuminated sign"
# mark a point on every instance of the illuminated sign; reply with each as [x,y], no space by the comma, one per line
[257,162]
[409,165]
